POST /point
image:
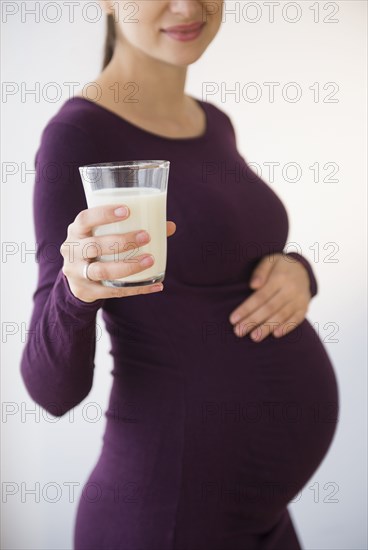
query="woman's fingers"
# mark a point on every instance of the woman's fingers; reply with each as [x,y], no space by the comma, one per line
[255,302]
[130,291]
[290,324]
[171,228]
[265,311]
[99,271]
[280,323]
[272,324]
[89,218]
[93,291]
[92,247]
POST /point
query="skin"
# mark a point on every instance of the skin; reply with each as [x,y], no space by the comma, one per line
[158,66]
[280,300]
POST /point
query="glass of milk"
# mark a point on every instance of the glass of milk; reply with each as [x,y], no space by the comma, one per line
[142,186]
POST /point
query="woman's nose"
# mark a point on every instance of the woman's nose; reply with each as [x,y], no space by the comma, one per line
[190,9]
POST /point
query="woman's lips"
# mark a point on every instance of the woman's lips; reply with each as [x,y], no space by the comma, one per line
[183,33]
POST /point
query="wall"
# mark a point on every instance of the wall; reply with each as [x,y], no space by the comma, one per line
[327,221]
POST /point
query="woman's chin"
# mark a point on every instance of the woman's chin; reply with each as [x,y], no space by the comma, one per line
[184,59]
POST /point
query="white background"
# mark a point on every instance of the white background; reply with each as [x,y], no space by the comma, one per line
[38,450]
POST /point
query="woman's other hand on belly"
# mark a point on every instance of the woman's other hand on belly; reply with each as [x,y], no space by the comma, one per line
[280,300]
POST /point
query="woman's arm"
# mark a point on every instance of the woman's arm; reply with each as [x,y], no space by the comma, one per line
[57,363]
[313,285]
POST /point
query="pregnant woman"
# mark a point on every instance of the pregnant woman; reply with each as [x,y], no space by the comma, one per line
[210,432]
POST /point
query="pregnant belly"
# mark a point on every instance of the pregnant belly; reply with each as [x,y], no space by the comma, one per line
[228,427]
[269,412]
[272,403]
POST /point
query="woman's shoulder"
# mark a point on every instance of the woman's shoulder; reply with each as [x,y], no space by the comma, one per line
[75,113]
[70,133]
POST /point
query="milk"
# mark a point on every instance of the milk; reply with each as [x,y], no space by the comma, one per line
[147,207]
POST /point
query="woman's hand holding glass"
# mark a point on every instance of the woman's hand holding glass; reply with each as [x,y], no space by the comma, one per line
[81,246]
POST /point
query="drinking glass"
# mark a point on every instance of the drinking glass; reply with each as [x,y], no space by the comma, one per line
[142,186]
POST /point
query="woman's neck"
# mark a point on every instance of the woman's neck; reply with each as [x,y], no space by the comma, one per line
[147,85]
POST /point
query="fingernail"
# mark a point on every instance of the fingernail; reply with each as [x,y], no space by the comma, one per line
[142,237]
[147,260]
[238,330]
[234,318]
[157,288]
[121,211]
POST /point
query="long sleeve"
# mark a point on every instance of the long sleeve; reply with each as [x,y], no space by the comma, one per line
[312,278]
[57,362]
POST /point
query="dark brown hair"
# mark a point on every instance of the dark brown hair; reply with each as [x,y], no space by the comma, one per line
[110,40]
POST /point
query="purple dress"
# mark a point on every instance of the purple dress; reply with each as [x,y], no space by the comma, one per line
[208,435]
